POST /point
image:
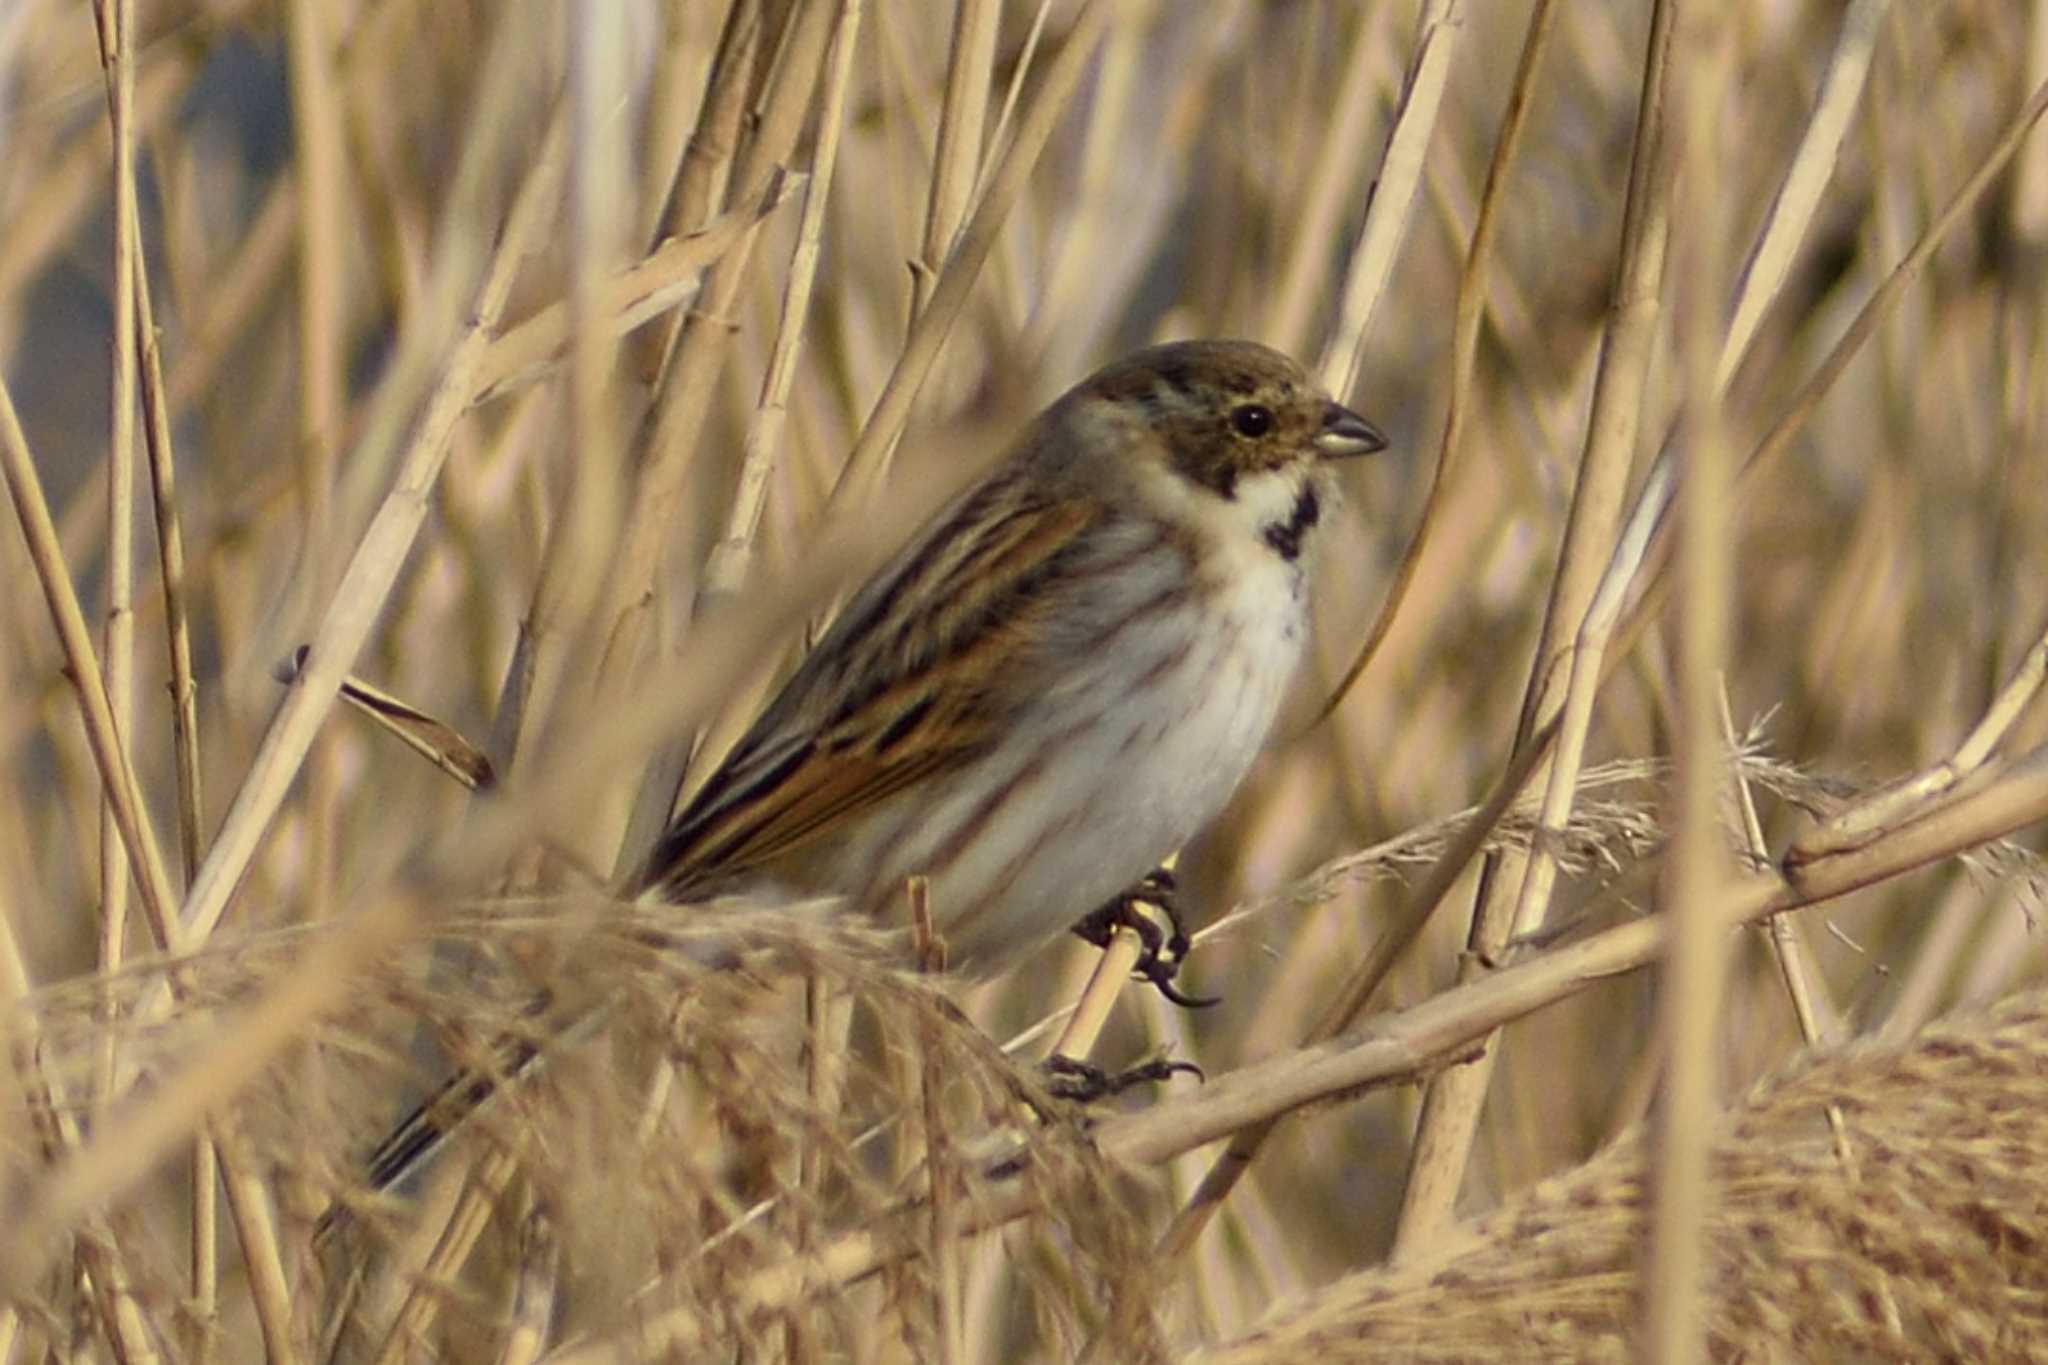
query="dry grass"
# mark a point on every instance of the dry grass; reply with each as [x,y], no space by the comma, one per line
[1918,1235]
[557,401]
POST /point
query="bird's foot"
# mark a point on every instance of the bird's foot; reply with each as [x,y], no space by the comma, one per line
[1069,1078]
[1140,909]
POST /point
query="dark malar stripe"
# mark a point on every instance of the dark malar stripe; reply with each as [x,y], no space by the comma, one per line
[1285,536]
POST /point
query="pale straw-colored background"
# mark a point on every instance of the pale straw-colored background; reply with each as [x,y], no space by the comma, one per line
[414,271]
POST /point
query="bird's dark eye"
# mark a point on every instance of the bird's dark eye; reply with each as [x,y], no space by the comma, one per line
[1251,419]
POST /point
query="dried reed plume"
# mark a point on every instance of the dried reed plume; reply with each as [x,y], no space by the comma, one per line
[547,370]
[1915,1232]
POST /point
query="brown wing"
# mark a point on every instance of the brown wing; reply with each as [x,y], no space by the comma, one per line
[916,677]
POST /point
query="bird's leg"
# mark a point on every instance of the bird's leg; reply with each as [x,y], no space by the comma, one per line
[1069,1078]
[1165,949]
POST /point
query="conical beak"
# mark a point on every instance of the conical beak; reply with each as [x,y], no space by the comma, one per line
[1345,434]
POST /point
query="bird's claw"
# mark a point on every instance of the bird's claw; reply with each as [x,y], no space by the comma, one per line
[1163,949]
[1069,1078]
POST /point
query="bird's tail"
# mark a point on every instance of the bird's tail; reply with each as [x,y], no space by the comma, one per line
[412,1143]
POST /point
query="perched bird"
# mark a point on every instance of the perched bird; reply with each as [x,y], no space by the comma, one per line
[1062,676]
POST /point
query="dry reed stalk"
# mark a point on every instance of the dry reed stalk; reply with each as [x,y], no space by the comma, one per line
[636,637]
[1692,976]
[726,570]
[1182,177]
[861,477]
[116,32]
[102,728]
[1450,1107]
[370,575]
[1432,1201]
[1435,1176]
[317,170]
[135,327]
[1302,276]
[1437,28]
[956,156]
[1435,41]
[66,193]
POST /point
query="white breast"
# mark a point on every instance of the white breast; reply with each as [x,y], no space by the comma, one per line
[1132,746]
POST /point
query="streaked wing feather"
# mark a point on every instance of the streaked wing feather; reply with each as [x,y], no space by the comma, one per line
[811,799]
[913,679]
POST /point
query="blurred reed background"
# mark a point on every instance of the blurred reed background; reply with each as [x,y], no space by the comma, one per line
[545,365]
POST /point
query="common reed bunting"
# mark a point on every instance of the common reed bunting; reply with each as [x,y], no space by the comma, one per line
[1058,681]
